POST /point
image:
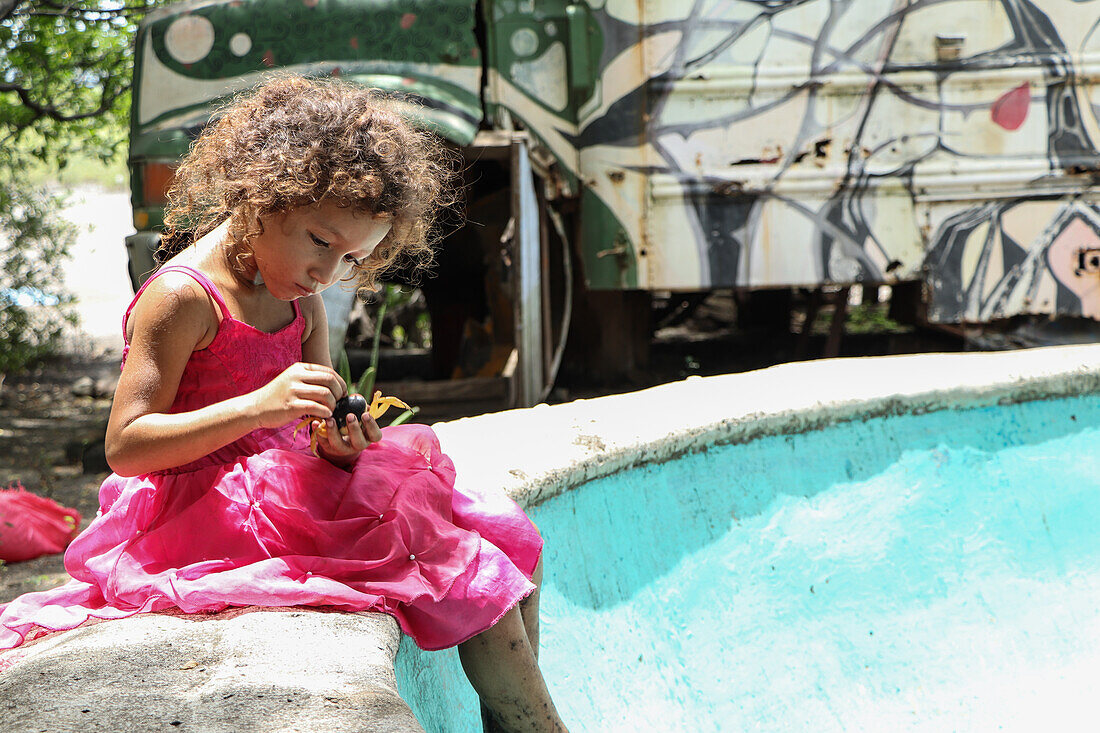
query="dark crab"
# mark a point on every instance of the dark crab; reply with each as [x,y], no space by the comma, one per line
[351,404]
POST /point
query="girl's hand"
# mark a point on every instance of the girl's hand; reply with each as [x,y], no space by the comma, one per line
[302,389]
[341,450]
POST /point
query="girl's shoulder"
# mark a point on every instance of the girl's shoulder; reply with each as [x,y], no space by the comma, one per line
[312,311]
[174,301]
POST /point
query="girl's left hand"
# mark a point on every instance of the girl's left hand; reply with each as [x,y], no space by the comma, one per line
[342,450]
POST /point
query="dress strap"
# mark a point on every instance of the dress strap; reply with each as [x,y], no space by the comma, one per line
[200,278]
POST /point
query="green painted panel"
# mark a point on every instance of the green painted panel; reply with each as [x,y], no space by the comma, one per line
[192,58]
[548,50]
[292,32]
[610,258]
[163,144]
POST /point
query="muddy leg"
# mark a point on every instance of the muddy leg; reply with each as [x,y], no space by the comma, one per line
[502,668]
[529,610]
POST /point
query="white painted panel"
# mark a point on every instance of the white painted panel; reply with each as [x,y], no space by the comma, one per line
[785,246]
[544,77]
[670,262]
[983,23]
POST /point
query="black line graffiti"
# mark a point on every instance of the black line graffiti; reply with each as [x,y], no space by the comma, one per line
[922,173]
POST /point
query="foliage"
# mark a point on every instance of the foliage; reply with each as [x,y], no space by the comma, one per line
[874,318]
[404,318]
[34,312]
[81,170]
[365,384]
[862,319]
[391,295]
[65,71]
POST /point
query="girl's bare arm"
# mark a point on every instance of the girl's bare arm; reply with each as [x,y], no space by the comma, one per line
[172,318]
[315,337]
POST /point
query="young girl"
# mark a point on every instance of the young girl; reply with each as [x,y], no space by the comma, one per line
[215,501]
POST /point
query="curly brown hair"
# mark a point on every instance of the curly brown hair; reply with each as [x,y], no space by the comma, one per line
[294,142]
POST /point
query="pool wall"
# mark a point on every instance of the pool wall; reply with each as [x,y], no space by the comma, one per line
[543,455]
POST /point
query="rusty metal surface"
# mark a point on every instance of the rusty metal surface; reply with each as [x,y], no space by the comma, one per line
[802,143]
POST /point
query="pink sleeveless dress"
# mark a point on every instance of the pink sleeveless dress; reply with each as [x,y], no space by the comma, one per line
[263,522]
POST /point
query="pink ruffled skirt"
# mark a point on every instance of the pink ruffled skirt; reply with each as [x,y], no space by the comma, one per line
[281,527]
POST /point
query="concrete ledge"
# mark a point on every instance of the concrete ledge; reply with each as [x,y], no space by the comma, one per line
[537,453]
[255,669]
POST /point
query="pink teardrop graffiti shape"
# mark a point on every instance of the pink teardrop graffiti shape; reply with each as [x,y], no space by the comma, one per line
[407,21]
[1010,109]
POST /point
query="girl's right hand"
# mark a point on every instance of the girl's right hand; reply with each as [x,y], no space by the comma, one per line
[301,390]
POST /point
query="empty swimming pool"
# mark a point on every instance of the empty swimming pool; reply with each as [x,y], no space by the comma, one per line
[912,562]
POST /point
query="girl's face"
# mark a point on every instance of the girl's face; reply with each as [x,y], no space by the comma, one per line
[307,249]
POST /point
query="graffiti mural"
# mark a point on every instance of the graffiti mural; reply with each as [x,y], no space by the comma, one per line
[805,142]
[723,143]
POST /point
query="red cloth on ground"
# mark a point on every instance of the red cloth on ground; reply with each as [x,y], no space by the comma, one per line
[32,525]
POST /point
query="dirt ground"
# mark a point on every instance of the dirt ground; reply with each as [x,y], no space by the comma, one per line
[45,432]
[42,423]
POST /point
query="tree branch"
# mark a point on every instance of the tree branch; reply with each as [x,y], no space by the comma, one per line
[7,7]
[70,10]
[43,110]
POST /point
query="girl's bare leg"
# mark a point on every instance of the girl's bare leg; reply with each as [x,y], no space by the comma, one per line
[502,668]
[529,610]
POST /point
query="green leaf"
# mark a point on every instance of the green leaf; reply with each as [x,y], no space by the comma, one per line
[365,386]
[379,320]
[404,416]
[343,367]
[74,59]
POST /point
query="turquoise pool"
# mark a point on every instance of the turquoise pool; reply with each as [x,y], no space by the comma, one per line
[935,571]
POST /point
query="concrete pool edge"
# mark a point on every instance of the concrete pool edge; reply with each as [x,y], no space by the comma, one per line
[534,454]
